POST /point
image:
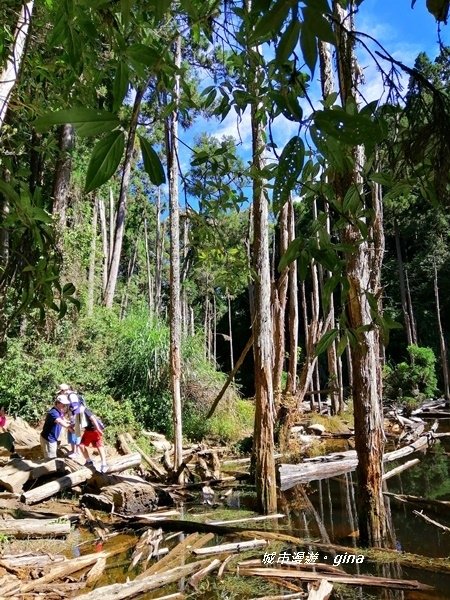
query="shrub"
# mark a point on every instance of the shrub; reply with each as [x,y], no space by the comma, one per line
[413,379]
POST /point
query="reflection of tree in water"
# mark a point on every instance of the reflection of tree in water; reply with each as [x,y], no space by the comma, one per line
[429,479]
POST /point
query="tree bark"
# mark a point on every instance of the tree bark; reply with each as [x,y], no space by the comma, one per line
[363,270]
[175,292]
[105,250]
[280,289]
[119,230]
[92,261]
[401,277]
[442,344]
[10,74]
[149,274]
[263,444]
[291,384]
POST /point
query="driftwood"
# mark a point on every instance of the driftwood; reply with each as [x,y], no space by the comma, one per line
[359,580]
[35,528]
[322,468]
[80,476]
[18,471]
[63,570]
[30,560]
[176,554]
[197,577]
[234,547]
[295,596]
[428,520]
[247,519]
[429,504]
[96,571]
[121,591]
[400,468]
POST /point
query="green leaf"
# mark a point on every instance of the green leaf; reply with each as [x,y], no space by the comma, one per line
[161,7]
[120,86]
[308,44]
[144,55]
[352,200]
[270,22]
[291,254]
[326,340]
[288,172]
[105,159]
[77,116]
[314,21]
[152,163]
[288,41]
[342,345]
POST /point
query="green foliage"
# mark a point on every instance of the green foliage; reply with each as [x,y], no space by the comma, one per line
[413,379]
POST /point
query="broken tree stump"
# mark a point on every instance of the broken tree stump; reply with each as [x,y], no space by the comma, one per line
[127,497]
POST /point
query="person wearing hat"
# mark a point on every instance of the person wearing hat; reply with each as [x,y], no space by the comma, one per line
[76,418]
[54,423]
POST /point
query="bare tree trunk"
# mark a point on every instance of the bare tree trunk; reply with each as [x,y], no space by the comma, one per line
[263,440]
[442,344]
[291,384]
[363,270]
[130,271]
[214,329]
[412,320]
[158,256]
[149,274]
[175,292]
[230,332]
[10,74]
[279,310]
[61,183]
[123,198]
[401,277]
[112,227]
[92,261]
[104,231]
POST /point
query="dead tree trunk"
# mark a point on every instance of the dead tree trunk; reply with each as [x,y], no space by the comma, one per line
[280,289]
[175,292]
[92,261]
[401,277]
[442,344]
[291,384]
[105,250]
[263,448]
[363,269]
[119,230]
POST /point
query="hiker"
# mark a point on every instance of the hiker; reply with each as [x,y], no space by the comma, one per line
[6,438]
[55,421]
[93,435]
[76,417]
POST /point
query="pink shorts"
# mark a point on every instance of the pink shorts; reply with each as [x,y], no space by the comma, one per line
[93,437]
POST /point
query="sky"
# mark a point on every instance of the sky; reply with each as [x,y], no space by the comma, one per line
[403,31]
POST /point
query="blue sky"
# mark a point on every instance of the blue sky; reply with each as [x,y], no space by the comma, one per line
[403,31]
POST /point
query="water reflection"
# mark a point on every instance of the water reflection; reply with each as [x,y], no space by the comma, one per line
[326,510]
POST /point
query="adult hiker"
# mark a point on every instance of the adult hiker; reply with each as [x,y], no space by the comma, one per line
[76,417]
[93,435]
[54,423]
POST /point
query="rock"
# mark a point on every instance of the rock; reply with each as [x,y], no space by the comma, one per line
[316,428]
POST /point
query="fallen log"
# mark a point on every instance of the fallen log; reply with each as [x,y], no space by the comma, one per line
[80,476]
[247,519]
[35,528]
[295,596]
[429,504]
[153,464]
[359,580]
[30,560]
[63,570]
[400,468]
[121,591]
[53,487]
[234,547]
[125,497]
[291,475]
[18,471]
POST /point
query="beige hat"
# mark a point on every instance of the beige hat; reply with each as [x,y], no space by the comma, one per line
[64,387]
[62,399]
